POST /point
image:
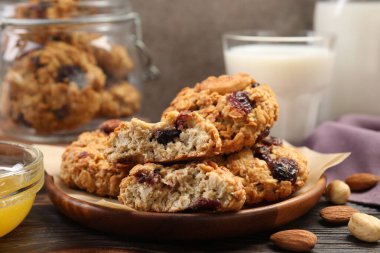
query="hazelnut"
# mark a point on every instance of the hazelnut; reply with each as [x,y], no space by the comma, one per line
[109,126]
[364,227]
[338,192]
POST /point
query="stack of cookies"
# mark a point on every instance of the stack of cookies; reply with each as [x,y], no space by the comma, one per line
[211,151]
[61,77]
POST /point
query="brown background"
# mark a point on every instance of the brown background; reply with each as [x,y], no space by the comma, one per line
[184,37]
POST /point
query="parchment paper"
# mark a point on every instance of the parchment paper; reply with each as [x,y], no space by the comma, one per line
[318,163]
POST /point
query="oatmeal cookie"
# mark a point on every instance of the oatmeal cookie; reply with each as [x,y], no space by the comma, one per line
[202,186]
[112,58]
[179,136]
[85,167]
[270,171]
[119,100]
[242,110]
[53,88]
[46,9]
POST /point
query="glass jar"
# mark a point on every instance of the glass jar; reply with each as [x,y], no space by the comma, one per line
[67,65]
[356,25]
[21,177]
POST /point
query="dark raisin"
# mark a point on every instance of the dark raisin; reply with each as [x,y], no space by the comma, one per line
[109,126]
[60,114]
[255,85]
[37,62]
[224,157]
[165,136]
[71,73]
[263,153]
[110,82]
[149,177]
[182,120]
[272,141]
[123,160]
[203,204]
[54,37]
[241,101]
[22,121]
[41,8]
[284,169]
[263,134]
[83,154]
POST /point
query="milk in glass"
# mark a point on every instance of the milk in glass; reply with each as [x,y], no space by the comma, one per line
[356,78]
[299,74]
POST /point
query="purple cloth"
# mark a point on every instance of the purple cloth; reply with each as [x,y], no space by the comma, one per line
[360,135]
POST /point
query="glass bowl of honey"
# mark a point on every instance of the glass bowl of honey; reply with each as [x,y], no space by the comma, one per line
[21,177]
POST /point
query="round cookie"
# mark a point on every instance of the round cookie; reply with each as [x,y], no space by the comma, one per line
[85,167]
[242,110]
[271,172]
[53,88]
[45,9]
[119,100]
[112,58]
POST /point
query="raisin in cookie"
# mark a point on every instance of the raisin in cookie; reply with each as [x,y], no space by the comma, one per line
[179,136]
[46,9]
[270,171]
[85,167]
[119,100]
[242,110]
[202,186]
[112,58]
[53,88]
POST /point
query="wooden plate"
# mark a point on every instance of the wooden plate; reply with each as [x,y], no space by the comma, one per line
[184,226]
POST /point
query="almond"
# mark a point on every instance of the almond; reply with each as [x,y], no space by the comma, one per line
[362,181]
[294,240]
[337,214]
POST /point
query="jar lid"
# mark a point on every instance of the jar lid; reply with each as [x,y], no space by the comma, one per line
[62,12]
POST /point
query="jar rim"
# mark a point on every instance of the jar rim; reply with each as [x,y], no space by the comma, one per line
[114,18]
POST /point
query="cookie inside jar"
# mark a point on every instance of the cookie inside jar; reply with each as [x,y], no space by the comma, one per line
[67,65]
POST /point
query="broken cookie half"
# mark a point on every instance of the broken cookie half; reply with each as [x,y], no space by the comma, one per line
[178,137]
[202,186]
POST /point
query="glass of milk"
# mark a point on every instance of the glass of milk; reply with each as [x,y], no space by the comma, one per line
[356,78]
[297,66]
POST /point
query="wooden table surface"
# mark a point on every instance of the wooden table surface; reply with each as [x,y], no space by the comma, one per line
[46,230]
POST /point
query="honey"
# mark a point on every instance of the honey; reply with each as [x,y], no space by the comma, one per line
[21,177]
[12,215]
